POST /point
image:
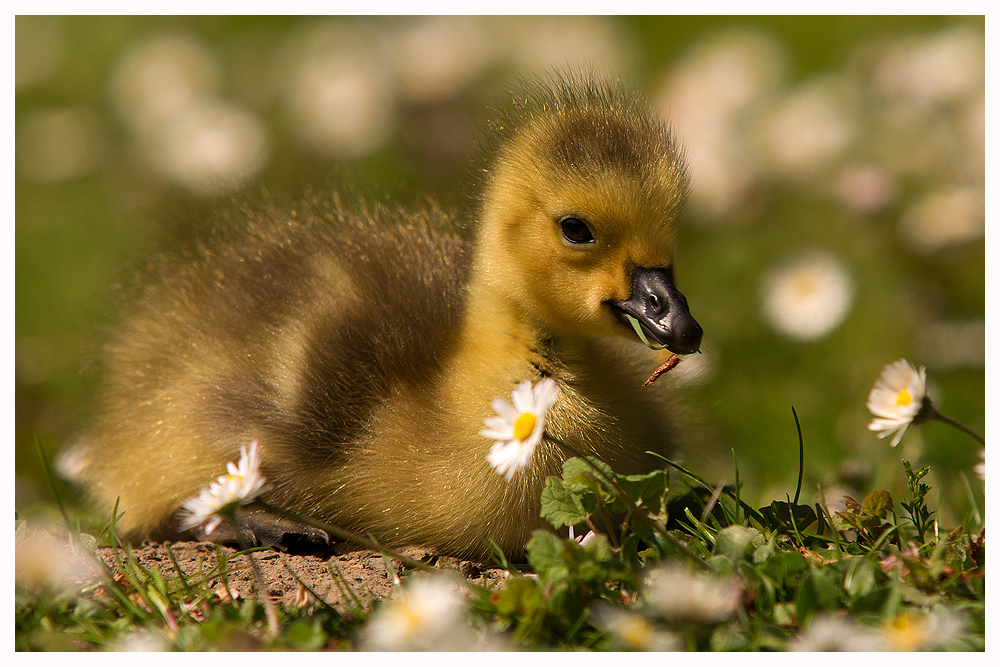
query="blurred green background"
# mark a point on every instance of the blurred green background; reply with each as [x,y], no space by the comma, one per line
[836,221]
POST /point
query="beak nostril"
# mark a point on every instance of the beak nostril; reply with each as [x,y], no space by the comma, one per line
[661,310]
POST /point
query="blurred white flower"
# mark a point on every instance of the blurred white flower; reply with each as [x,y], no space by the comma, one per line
[836,633]
[46,562]
[162,77]
[339,94]
[427,616]
[142,641]
[897,398]
[980,468]
[519,428]
[807,130]
[948,216]
[211,148]
[865,188]
[435,57]
[933,630]
[808,298]
[634,632]
[540,42]
[59,144]
[934,69]
[692,597]
[240,486]
[729,71]
[705,98]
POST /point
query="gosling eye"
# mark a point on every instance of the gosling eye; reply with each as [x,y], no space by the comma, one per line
[575,230]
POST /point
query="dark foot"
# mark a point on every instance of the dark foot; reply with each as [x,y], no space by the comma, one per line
[262,529]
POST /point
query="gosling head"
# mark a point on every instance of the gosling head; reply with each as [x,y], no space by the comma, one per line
[578,216]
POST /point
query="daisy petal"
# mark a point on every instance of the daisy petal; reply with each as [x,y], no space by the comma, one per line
[897,397]
[530,405]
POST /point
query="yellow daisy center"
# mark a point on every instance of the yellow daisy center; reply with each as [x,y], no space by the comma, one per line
[805,284]
[903,398]
[409,620]
[524,425]
[636,633]
[906,633]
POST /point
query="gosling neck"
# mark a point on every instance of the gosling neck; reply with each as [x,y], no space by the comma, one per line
[498,322]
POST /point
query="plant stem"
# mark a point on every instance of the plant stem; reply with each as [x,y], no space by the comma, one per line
[269,613]
[798,484]
[346,535]
[957,424]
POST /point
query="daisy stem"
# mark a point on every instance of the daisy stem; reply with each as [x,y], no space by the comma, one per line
[269,613]
[345,535]
[957,424]
[656,523]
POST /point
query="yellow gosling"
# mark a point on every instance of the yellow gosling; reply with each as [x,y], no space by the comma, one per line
[362,347]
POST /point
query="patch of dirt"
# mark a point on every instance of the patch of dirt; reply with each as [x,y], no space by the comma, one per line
[327,575]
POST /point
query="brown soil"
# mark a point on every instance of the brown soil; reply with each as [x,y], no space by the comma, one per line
[364,572]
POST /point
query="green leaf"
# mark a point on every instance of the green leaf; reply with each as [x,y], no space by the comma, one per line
[305,635]
[860,578]
[728,637]
[736,542]
[579,476]
[846,521]
[649,488]
[560,506]
[642,336]
[520,595]
[877,503]
[784,613]
[873,601]
[782,565]
[630,552]
[545,555]
[764,551]
[815,592]
[788,517]
[599,549]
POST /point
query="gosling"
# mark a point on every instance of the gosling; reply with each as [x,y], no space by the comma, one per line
[362,346]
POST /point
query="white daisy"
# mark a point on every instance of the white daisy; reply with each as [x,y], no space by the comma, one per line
[809,297]
[240,486]
[519,428]
[980,468]
[899,395]
[833,633]
[46,562]
[427,616]
[633,631]
[932,630]
[692,597]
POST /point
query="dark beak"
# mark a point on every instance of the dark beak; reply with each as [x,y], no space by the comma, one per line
[661,310]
